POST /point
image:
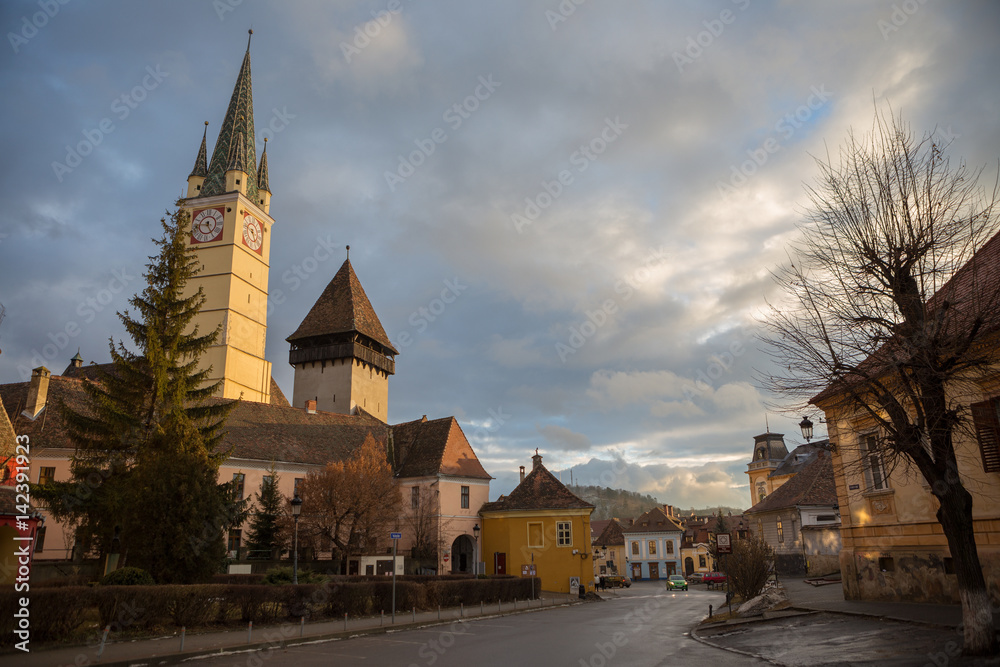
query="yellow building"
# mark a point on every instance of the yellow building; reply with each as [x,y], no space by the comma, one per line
[893,547]
[768,452]
[541,524]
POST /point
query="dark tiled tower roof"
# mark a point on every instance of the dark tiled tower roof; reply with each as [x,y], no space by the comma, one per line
[342,308]
[262,182]
[237,128]
[201,162]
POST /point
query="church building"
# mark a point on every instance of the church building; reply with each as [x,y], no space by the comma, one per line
[340,352]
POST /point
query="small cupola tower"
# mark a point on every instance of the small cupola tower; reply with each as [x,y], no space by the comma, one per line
[768,452]
[341,354]
[263,186]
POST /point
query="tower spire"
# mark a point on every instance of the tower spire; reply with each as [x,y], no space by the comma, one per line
[262,181]
[237,123]
[201,162]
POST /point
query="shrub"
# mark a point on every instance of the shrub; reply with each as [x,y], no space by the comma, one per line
[260,604]
[125,607]
[284,575]
[189,606]
[748,567]
[128,576]
[56,614]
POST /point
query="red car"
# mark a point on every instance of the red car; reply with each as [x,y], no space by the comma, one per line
[714,578]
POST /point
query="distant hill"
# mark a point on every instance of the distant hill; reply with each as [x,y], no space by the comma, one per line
[611,503]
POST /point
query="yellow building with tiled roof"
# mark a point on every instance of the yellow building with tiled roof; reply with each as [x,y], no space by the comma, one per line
[542,525]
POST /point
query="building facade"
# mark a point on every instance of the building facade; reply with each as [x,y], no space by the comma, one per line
[539,526]
[653,546]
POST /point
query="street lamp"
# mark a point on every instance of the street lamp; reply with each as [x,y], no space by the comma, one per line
[807,428]
[475,563]
[296,509]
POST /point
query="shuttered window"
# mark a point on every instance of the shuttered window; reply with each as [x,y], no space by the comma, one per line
[987,420]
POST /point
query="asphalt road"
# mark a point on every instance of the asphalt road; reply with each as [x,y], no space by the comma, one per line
[639,626]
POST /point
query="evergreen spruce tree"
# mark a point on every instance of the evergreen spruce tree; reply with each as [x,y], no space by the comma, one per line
[145,470]
[264,536]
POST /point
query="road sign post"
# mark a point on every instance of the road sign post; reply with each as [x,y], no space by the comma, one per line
[395,541]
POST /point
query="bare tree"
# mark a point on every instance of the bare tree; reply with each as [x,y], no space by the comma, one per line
[892,314]
[421,518]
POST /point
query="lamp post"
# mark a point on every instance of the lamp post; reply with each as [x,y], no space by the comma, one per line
[807,428]
[475,562]
[296,509]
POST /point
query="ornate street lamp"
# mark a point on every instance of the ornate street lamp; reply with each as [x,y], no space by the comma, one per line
[807,428]
[475,564]
[296,509]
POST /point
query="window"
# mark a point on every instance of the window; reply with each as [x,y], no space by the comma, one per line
[761,491]
[45,475]
[886,564]
[295,489]
[871,461]
[948,564]
[701,561]
[239,478]
[415,497]
[564,533]
[826,517]
[760,529]
[267,479]
[986,417]
[40,540]
[781,533]
[535,536]
[234,539]
[465,497]
[651,546]
[669,546]
[635,548]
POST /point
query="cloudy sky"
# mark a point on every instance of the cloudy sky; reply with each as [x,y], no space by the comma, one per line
[564,214]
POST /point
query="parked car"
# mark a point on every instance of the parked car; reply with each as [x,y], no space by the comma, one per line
[617,581]
[676,582]
[714,578]
[695,577]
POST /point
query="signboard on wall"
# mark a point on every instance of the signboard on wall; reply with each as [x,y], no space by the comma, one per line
[528,570]
[724,542]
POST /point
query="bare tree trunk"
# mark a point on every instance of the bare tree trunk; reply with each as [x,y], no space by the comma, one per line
[955,516]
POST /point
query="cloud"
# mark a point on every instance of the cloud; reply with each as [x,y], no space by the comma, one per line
[562,438]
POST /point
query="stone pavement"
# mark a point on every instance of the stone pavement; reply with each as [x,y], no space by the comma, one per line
[825,629]
[166,650]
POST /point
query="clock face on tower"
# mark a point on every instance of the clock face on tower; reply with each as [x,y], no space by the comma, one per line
[253,234]
[206,225]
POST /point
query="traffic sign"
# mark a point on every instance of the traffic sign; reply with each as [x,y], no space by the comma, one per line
[395,536]
[724,543]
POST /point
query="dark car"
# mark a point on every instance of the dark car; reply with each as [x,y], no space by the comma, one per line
[617,581]
[714,578]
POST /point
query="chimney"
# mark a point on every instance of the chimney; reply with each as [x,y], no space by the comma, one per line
[38,391]
[536,461]
[522,473]
[311,406]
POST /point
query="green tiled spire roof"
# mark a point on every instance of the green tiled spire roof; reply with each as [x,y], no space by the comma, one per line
[201,162]
[237,129]
[238,154]
[262,184]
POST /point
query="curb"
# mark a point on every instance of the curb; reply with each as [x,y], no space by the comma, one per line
[266,646]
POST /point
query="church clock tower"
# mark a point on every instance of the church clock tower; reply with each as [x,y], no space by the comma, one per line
[229,201]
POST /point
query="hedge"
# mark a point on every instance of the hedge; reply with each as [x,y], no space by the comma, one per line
[58,613]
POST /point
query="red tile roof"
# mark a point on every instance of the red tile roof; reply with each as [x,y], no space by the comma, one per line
[611,535]
[813,485]
[343,307]
[422,448]
[656,521]
[540,490]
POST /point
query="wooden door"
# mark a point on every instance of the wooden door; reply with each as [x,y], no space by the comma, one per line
[501,563]
[654,571]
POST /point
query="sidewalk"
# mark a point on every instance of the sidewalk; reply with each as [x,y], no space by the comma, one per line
[167,650]
[831,598]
